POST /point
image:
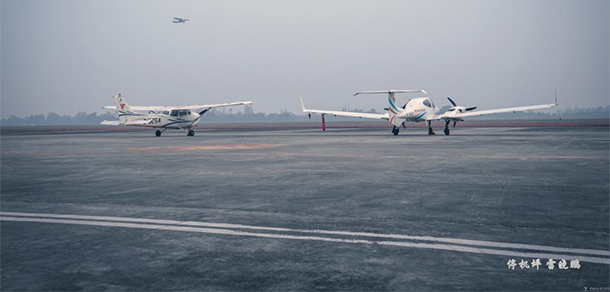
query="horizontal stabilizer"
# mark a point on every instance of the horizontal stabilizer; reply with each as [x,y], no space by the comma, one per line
[392,91]
[111,123]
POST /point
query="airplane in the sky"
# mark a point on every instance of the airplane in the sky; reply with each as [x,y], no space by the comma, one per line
[420,109]
[162,117]
[180,20]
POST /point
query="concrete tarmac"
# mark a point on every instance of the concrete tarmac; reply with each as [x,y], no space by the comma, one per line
[346,209]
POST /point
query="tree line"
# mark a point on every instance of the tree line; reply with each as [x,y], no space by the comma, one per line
[248,115]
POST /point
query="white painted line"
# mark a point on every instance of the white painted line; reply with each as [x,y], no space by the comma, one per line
[328,232]
[311,238]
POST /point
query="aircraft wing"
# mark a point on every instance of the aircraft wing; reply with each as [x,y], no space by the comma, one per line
[191,107]
[345,114]
[496,111]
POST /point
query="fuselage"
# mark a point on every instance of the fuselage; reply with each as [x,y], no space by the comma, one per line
[174,119]
[417,110]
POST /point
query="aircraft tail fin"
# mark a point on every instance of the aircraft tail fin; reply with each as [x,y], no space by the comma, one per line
[123,109]
[393,111]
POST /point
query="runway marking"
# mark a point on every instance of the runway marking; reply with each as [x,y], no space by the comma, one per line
[310,238]
[207,147]
[160,222]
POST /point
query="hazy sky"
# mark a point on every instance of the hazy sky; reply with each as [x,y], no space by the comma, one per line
[70,56]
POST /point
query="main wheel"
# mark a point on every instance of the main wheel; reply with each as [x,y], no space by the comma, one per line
[447,131]
[158,133]
[430,131]
[191,133]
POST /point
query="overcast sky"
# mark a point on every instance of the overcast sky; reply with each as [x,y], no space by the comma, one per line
[69,56]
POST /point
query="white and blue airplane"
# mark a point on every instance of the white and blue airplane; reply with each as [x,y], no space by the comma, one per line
[420,109]
[162,117]
[180,20]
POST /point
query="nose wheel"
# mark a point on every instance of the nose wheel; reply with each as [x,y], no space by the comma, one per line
[430,131]
[191,133]
[395,130]
[447,128]
[158,133]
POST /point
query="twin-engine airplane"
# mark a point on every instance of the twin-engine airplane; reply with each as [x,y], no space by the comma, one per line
[420,109]
[180,20]
[162,117]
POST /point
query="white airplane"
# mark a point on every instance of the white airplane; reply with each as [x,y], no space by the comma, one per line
[180,20]
[420,109]
[162,117]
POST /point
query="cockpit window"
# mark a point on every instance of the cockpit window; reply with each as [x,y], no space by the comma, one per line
[174,113]
[427,103]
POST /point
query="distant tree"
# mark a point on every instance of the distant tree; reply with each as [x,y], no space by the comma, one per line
[14,121]
[36,120]
[53,119]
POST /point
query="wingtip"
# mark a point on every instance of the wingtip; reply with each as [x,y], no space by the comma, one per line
[302,104]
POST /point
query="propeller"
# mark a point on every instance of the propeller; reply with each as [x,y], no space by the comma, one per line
[460,109]
[451,101]
[201,113]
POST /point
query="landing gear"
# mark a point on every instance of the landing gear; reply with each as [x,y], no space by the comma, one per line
[447,128]
[430,131]
[395,130]
[158,132]
[191,133]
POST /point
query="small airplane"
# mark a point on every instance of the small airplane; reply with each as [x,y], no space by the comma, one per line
[420,109]
[180,20]
[162,117]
